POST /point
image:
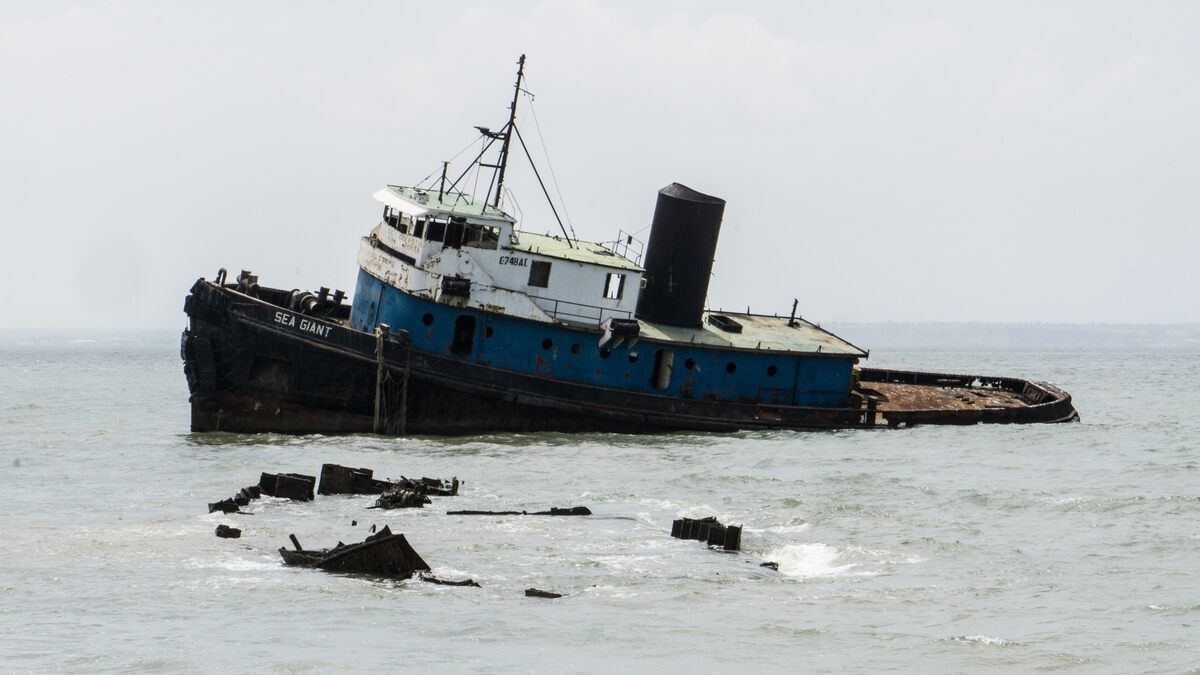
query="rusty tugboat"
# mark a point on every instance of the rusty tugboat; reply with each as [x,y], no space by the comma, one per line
[462,323]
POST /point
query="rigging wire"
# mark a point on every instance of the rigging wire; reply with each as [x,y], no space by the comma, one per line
[482,148]
[542,183]
[439,169]
[549,165]
[513,197]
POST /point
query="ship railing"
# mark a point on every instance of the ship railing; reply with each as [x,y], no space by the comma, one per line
[579,312]
[627,247]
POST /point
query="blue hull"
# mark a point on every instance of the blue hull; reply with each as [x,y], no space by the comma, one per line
[573,355]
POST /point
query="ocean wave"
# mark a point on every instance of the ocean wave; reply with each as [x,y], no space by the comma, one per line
[810,560]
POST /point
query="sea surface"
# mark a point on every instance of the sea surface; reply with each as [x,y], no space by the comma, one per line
[1071,547]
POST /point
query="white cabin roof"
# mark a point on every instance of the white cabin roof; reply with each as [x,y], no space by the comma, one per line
[416,202]
[577,251]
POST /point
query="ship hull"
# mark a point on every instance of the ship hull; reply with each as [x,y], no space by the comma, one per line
[253,366]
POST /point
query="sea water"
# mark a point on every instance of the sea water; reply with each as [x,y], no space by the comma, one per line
[1044,547]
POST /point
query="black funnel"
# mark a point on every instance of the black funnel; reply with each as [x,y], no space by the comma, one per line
[679,256]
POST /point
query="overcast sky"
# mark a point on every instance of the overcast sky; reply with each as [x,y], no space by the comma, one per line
[881,161]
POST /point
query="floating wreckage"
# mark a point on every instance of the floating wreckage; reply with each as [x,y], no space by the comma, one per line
[462,323]
[337,479]
[709,531]
[448,582]
[401,494]
[341,480]
[284,485]
[227,532]
[381,554]
[296,486]
[234,504]
[401,498]
[537,593]
[406,493]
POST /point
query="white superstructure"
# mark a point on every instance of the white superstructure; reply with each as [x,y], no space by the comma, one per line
[448,248]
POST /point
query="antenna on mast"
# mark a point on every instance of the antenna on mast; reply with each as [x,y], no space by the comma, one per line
[508,129]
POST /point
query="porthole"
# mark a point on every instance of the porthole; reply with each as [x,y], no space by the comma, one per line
[633,357]
[604,353]
[576,347]
[427,319]
[730,367]
[771,370]
[547,343]
[689,364]
[488,332]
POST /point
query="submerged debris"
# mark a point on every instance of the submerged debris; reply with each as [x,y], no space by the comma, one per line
[535,593]
[295,486]
[710,531]
[437,487]
[554,511]
[447,582]
[383,554]
[342,480]
[401,498]
[227,532]
[224,506]
[771,565]
[242,498]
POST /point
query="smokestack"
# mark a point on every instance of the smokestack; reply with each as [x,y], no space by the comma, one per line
[679,256]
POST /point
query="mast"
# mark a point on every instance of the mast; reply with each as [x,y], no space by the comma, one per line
[508,129]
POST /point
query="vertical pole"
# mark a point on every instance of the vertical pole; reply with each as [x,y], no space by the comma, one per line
[380,332]
[508,130]
[442,188]
[792,321]
[404,391]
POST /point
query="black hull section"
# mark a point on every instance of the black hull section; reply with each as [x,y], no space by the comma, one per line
[256,367]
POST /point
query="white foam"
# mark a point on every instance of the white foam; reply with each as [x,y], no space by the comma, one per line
[790,529]
[985,640]
[809,560]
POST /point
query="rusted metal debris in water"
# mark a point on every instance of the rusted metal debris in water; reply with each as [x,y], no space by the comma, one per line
[536,593]
[224,506]
[342,480]
[382,554]
[404,493]
[233,504]
[295,486]
[401,498]
[227,532]
[709,531]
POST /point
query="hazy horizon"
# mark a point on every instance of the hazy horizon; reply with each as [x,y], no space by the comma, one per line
[1014,163]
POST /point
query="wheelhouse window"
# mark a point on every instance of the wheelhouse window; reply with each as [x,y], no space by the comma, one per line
[614,286]
[481,236]
[435,230]
[395,219]
[539,274]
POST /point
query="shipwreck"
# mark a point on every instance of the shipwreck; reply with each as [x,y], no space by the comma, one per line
[462,322]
